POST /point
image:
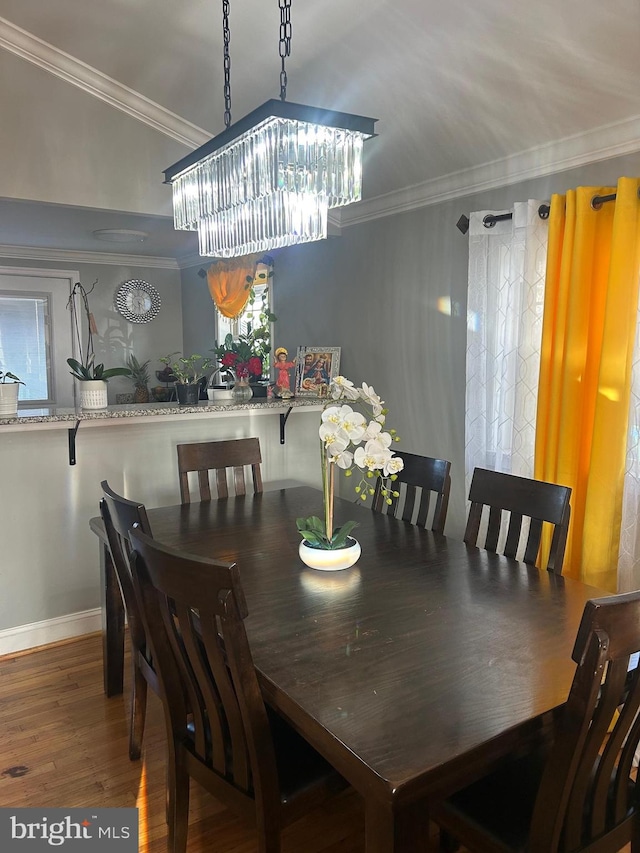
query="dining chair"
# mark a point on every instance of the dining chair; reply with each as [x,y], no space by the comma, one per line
[421,479]
[220,732]
[218,456]
[119,515]
[579,792]
[521,498]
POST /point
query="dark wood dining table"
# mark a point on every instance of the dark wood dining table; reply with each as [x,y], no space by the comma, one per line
[413,672]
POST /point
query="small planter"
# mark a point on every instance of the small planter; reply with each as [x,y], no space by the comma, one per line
[219,394]
[330,561]
[93,394]
[188,395]
[9,399]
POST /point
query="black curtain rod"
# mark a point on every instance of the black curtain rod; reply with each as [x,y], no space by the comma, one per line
[543,212]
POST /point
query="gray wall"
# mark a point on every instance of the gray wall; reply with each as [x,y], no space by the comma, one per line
[116,337]
[378,292]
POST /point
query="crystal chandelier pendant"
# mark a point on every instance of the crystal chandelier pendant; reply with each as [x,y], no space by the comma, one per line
[269,180]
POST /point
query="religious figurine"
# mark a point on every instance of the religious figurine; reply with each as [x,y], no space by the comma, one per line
[283,366]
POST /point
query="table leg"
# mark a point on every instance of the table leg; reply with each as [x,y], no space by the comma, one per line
[388,830]
[112,625]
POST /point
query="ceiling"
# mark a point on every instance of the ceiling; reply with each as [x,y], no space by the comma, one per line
[455,84]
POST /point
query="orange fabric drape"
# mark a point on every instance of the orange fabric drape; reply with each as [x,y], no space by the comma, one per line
[230,284]
[591,298]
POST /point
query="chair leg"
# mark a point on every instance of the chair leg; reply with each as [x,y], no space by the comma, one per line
[177,802]
[138,712]
[268,842]
[448,842]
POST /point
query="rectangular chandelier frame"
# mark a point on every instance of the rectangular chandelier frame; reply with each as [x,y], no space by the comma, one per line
[268,180]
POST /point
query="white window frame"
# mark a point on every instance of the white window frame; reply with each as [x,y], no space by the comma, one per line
[61,343]
[235,324]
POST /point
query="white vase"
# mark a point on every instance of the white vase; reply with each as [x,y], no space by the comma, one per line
[93,394]
[9,399]
[330,560]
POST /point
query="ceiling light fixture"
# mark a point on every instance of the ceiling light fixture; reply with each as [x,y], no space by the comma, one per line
[120,235]
[268,180]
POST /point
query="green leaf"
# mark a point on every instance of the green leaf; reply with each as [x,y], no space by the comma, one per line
[311,538]
[340,536]
[116,371]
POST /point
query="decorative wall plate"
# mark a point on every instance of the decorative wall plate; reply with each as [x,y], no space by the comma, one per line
[137,301]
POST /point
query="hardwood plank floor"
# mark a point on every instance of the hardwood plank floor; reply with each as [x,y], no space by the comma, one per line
[63,743]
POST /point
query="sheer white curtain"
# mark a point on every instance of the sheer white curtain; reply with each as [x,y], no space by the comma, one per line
[629,559]
[504,326]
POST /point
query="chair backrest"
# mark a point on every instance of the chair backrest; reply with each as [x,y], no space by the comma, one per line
[521,498]
[194,609]
[421,480]
[587,798]
[218,456]
[119,515]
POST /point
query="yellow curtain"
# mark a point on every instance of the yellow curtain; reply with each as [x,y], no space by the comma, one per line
[230,284]
[591,298]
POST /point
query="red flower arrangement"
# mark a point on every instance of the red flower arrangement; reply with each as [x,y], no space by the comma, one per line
[242,369]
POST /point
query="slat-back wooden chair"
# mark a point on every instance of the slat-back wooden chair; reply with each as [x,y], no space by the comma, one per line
[421,480]
[580,794]
[521,497]
[218,456]
[247,757]
[119,515]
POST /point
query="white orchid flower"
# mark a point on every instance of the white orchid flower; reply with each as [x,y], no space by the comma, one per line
[369,396]
[385,439]
[392,466]
[373,430]
[342,388]
[372,456]
[354,424]
[333,414]
[339,455]
[330,433]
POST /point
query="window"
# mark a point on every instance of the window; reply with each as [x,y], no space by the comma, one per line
[35,333]
[255,314]
[24,342]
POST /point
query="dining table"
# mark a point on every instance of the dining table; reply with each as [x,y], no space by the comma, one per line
[414,672]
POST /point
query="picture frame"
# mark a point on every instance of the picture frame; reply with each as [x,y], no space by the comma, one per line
[315,368]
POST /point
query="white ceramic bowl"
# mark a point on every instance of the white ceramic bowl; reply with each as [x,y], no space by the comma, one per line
[219,395]
[330,561]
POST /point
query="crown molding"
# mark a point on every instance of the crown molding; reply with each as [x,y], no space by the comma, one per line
[601,143]
[78,257]
[99,85]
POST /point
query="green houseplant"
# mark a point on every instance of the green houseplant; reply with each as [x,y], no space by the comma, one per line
[188,373]
[140,377]
[351,442]
[9,387]
[91,376]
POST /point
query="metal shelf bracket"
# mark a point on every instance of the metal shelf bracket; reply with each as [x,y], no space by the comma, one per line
[283,420]
[72,443]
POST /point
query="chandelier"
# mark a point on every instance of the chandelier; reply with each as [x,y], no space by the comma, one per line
[268,180]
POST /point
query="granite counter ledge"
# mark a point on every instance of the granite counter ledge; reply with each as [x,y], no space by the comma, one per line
[56,418]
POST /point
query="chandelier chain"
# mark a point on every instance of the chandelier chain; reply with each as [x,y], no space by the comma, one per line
[226,34]
[285,43]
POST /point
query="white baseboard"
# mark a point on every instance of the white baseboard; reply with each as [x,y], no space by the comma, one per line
[49,631]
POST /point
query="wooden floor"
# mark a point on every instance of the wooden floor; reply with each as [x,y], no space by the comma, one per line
[64,744]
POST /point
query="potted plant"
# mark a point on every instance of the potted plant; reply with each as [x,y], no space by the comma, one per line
[9,387]
[91,376]
[140,377]
[241,359]
[188,372]
[93,380]
[351,442]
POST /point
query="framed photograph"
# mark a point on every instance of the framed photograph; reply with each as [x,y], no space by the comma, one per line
[315,368]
